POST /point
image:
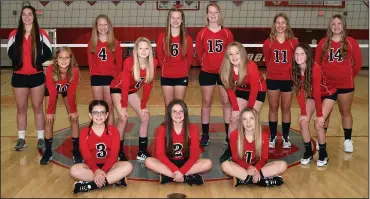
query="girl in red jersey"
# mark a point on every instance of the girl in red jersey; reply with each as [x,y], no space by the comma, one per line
[177,148]
[278,52]
[138,71]
[341,60]
[211,43]
[175,56]
[104,56]
[62,77]
[29,47]
[250,149]
[99,146]
[314,92]
[245,86]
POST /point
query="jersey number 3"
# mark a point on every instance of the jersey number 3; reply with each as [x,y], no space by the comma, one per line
[102,150]
[103,54]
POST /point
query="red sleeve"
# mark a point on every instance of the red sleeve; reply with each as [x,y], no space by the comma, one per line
[85,150]
[50,85]
[234,150]
[356,57]
[72,89]
[147,88]
[302,101]
[115,140]
[266,52]
[90,59]
[194,150]
[232,98]
[265,151]
[254,75]
[190,53]
[319,51]
[199,46]
[126,78]
[316,81]
[160,149]
[160,51]
[118,58]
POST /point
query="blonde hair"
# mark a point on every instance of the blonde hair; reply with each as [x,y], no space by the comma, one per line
[72,64]
[226,73]
[329,36]
[220,22]
[288,31]
[257,134]
[149,61]
[183,40]
[94,36]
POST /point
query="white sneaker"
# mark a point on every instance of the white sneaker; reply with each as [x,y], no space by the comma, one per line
[321,163]
[348,146]
[272,143]
[306,161]
[286,143]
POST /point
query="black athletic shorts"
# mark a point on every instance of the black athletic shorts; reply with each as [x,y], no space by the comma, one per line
[182,81]
[245,95]
[282,85]
[345,90]
[27,81]
[101,80]
[46,93]
[209,79]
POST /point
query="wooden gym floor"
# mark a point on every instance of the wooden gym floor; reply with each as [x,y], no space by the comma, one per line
[345,176]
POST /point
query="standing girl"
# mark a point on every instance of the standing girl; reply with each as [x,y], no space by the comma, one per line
[99,146]
[62,77]
[29,47]
[104,56]
[278,52]
[138,71]
[314,92]
[249,148]
[211,43]
[245,86]
[175,56]
[177,148]
[341,60]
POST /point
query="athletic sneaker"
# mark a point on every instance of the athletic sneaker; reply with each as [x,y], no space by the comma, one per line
[323,159]
[163,179]
[21,144]
[272,142]
[81,186]
[196,179]
[204,140]
[306,159]
[122,157]
[40,144]
[142,155]
[237,181]
[226,155]
[348,146]
[46,158]
[121,183]
[286,143]
[271,182]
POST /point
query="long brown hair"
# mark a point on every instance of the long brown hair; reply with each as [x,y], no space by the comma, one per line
[72,64]
[288,30]
[183,40]
[329,36]
[257,134]
[169,127]
[94,36]
[296,71]
[220,21]
[226,70]
[149,61]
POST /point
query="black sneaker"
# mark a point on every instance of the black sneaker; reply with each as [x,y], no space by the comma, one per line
[196,179]
[142,155]
[226,155]
[122,156]
[122,182]
[204,140]
[81,186]
[46,158]
[163,179]
[21,144]
[271,182]
[77,158]
[237,181]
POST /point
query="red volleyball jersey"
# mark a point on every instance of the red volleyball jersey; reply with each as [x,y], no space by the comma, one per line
[211,47]
[278,58]
[104,61]
[340,70]
[126,82]
[27,68]
[320,87]
[178,144]
[249,155]
[100,149]
[253,82]
[174,65]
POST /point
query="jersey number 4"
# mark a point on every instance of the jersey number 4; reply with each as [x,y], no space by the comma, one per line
[102,150]
[103,54]
[282,59]
[217,45]
[335,55]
